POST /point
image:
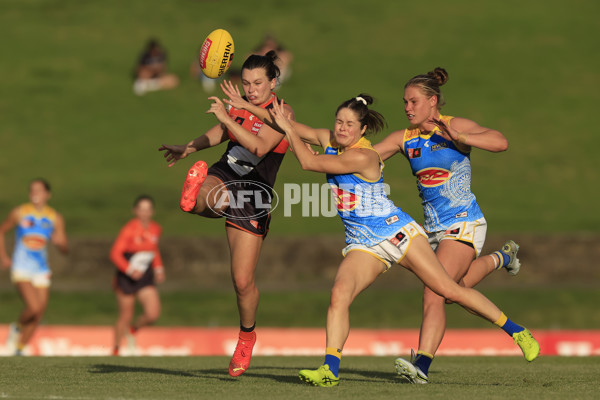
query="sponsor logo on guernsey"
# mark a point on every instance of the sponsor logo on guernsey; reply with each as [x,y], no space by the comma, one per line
[463,214]
[431,177]
[392,219]
[34,242]
[346,201]
[414,153]
[256,127]
[439,146]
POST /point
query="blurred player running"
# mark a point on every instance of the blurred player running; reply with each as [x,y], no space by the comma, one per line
[139,265]
[35,225]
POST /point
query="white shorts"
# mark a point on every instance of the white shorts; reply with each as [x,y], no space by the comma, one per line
[38,279]
[391,251]
[471,232]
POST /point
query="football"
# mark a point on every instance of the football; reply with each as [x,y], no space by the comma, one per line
[216,53]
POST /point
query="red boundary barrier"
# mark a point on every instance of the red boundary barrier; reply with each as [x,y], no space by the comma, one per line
[183,341]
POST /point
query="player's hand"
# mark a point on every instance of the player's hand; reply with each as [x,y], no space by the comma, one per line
[159,275]
[218,109]
[174,153]
[235,97]
[449,132]
[6,262]
[281,118]
[136,275]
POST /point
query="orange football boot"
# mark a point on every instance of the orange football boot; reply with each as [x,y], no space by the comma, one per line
[193,182]
[242,354]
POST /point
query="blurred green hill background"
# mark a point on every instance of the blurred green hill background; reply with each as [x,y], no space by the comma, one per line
[67,111]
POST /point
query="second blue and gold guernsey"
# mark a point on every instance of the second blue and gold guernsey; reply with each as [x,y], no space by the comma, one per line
[368,215]
[33,232]
[443,178]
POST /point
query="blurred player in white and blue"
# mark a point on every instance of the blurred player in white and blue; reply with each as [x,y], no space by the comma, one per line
[378,234]
[35,225]
[438,148]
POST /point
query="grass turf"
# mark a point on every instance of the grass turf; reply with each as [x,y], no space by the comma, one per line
[276,378]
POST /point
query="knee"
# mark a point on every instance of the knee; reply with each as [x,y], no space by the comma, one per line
[340,297]
[152,315]
[244,285]
[432,299]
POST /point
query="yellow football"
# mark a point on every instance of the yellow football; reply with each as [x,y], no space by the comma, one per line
[216,53]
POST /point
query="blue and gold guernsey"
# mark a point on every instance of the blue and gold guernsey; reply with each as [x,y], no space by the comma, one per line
[368,215]
[443,178]
[34,229]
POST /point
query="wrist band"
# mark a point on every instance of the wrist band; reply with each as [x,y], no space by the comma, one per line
[462,137]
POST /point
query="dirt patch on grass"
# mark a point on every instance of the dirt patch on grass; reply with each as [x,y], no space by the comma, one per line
[288,263]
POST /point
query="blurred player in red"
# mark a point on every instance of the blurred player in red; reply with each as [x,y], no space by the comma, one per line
[35,225]
[139,265]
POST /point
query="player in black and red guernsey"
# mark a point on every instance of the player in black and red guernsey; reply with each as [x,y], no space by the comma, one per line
[239,187]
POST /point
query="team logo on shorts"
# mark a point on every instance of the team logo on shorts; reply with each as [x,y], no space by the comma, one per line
[392,219]
[431,177]
[399,238]
[243,200]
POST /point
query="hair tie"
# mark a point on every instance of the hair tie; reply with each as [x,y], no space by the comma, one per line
[361,99]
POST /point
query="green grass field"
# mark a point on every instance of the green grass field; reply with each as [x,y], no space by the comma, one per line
[276,378]
[67,111]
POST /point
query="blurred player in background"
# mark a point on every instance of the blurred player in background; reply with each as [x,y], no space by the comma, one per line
[251,161]
[438,149]
[35,225]
[378,234]
[136,255]
[151,70]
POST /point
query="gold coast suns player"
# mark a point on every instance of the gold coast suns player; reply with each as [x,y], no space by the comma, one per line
[35,225]
[250,164]
[438,149]
[379,235]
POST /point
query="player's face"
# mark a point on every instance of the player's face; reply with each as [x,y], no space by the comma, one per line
[347,130]
[38,195]
[144,210]
[257,85]
[418,107]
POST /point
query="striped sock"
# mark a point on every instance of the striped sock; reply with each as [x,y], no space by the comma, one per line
[503,259]
[333,357]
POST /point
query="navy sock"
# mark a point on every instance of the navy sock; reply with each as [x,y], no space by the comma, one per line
[423,362]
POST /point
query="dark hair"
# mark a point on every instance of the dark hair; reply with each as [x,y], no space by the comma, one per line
[374,121]
[430,84]
[267,62]
[141,198]
[43,182]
